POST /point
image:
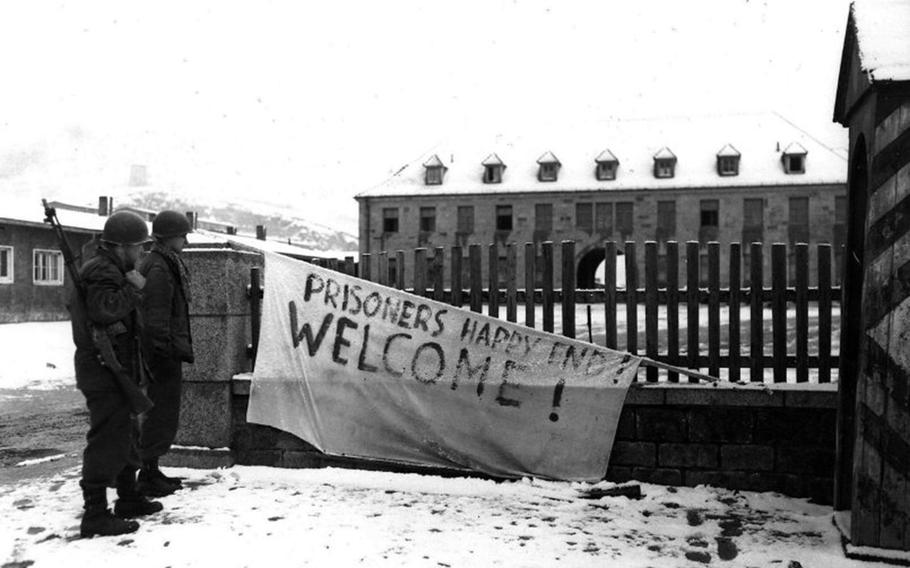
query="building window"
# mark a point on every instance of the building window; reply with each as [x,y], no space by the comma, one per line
[753,221]
[666,221]
[6,265]
[728,166]
[543,217]
[549,167]
[393,271]
[664,163]
[798,226]
[465,219]
[584,217]
[503,217]
[625,219]
[390,220]
[492,169]
[606,171]
[606,166]
[728,161]
[434,171]
[709,220]
[428,219]
[603,219]
[48,267]
[794,159]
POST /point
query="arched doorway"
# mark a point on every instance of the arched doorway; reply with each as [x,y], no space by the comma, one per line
[586,273]
[590,271]
[851,323]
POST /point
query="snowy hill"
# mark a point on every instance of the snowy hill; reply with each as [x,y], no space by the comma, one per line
[284,223]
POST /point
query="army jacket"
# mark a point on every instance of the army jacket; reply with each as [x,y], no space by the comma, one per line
[166,331]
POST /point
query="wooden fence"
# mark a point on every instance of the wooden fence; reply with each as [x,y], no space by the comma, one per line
[538,296]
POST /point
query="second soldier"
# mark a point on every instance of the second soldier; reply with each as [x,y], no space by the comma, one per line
[167,344]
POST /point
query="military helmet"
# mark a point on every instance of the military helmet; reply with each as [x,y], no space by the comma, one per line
[170,224]
[125,228]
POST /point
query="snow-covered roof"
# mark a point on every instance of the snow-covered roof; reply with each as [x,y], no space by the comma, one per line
[759,137]
[606,156]
[548,158]
[729,151]
[883,35]
[204,237]
[492,160]
[24,212]
[664,154]
[795,148]
[433,162]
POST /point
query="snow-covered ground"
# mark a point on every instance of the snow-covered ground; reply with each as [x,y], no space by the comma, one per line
[36,356]
[256,516]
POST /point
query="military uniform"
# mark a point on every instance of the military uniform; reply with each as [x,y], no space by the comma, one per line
[108,302]
[167,344]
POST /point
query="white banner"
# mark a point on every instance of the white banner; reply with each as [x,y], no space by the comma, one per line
[357,369]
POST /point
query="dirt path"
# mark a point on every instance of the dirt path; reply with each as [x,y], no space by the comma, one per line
[38,424]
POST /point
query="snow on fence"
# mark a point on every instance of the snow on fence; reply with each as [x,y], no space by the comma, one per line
[783,333]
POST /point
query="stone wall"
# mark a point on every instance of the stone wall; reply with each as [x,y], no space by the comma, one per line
[780,439]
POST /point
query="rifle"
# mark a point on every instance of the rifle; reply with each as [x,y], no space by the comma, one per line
[101,336]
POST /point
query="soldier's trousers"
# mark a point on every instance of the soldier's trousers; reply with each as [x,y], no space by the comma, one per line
[159,425]
[111,440]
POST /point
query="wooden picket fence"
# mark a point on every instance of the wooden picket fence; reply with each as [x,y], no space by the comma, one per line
[539,294]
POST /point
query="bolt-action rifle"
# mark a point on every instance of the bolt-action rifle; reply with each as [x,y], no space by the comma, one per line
[101,336]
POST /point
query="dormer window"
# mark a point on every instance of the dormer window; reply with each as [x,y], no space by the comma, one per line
[728,161]
[606,166]
[794,159]
[434,171]
[664,163]
[492,169]
[549,167]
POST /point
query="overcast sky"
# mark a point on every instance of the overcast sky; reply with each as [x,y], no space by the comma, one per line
[313,102]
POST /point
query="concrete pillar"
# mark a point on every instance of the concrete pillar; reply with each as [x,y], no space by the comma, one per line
[220,324]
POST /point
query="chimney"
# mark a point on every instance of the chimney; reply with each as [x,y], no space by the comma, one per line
[231,230]
[193,218]
[138,175]
[260,232]
[105,205]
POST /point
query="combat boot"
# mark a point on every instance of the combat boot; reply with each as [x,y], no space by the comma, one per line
[130,502]
[175,481]
[97,520]
[152,482]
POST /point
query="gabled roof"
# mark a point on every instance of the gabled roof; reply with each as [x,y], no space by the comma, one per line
[492,160]
[433,162]
[605,156]
[728,151]
[694,140]
[664,154]
[795,148]
[876,50]
[548,158]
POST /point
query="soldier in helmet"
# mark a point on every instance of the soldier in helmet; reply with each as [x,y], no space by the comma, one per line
[108,304]
[167,344]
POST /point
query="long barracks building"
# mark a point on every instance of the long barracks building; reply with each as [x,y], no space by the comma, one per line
[741,178]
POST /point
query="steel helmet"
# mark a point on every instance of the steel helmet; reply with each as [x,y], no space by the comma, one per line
[125,228]
[170,224]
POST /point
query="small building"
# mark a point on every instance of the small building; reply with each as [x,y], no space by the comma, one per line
[872,481]
[741,178]
[32,274]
